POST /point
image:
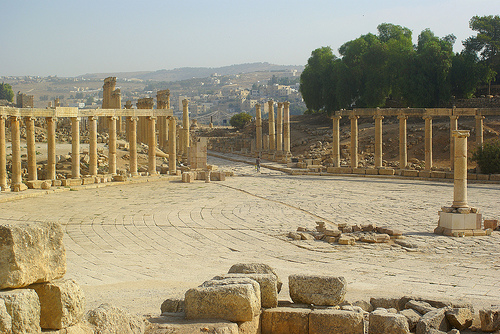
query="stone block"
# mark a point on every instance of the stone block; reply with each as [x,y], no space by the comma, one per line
[409,173]
[471,176]
[412,316]
[172,306]
[438,174]
[330,321]
[483,177]
[317,290]
[306,236]
[424,173]
[433,320]
[18,187]
[491,223]
[359,170]
[490,319]
[285,320]
[187,177]
[268,286]
[88,180]
[80,328]
[346,240]
[35,184]
[371,171]
[119,178]
[228,299]
[386,171]
[71,182]
[31,253]
[5,319]
[110,319]
[386,303]
[479,233]
[179,325]
[343,170]
[460,221]
[460,317]
[450,175]
[24,309]
[56,183]
[383,322]
[494,177]
[419,306]
[250,327]
[62,303]
[255,268]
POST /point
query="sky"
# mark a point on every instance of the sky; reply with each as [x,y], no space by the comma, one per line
[69,38]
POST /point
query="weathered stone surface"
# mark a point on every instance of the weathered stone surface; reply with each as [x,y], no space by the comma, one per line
[432,302]
[366,306]
[285,320]
[229,299]
[107,319]
[383,322]
[268,286]
[346,240]
[80,328]
[179,325]
[294,236]
[62,303]
[330,321]
[490,319]
[433,320]
[460,317]
[412,316]
[385,303]
[306,236]
[5,319]
[419,306]
[172,306]
[250,327]
[255,268]
[31,253]
[24,309]
[317,290]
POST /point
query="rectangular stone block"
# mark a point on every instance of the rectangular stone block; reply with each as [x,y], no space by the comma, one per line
[71,182]
[56,183]
[491,223]
[31,253]
[386,171]
[61,303]
[450,175]
[268,286]
[359,171]
[409,173]
[424,173]
[483,177]
[331,321]
[371,171]
[187,177]
[495,177]
[438,174]
[317,290]
[88,180]
[471,176]
[285,320]
[35,184]
[250,327]
[24,309]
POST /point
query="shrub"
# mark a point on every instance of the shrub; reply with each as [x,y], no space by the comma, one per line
[240,120]
[488,157]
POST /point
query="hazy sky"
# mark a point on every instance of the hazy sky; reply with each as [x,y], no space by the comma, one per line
[70,38]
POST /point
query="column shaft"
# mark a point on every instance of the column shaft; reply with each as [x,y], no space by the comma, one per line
[3,155]
[17,178]
[75,145]
[354,141]
[460,171]
[185,128]
[51,148]
[258,129]
[403,150]
[279,127]
[428,142]
[286,127]
[152,146]
[479,130]
[272,136]
[93,145]
[172,137]
[378,140]
[453,127]
[30,144]
[132,134]
[336,141]
[112,145]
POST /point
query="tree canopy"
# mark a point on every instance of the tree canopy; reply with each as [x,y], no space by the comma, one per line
[240,120]
[6,92]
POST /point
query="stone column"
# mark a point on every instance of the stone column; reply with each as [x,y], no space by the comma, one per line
[185,128]
[112,145]
[336,141]
[354,141]
[3,156]
[378,140]
[163,132]
[51,147]
[31,148]
[93,145]
[286,127]
[460,171]
[258,127]
[479,130]
[272,137]
[17,178]
[75,145]
[279,127]
[403,151]
[172,137]
[453,128]
[132,134]
[152,146]
[428,142]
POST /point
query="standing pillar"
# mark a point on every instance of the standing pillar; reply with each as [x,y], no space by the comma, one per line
[279,128]
[17,179]
[132,134]
[162,132]
[93,145]
[378,140]
[75,145]
[185,128]
[336,141]
[286,127]
[3,156]
[172,136]
[51,148]
[151,145]
[453,128]
[112,145]
[30,143]
[354,141]
[428,142]
[272,137]
[258,127]
[460,171]
[403,151]
[479,130]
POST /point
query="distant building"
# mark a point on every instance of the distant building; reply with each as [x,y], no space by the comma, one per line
[24,101]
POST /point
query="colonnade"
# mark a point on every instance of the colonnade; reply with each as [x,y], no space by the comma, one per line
[12,117]
[279,131]
[402,114]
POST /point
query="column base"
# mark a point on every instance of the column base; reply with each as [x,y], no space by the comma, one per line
[5,189]
[18,187]
[459,222]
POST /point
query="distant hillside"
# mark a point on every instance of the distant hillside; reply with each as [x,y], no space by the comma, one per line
[195,72]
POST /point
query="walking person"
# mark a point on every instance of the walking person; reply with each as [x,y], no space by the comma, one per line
[257,164]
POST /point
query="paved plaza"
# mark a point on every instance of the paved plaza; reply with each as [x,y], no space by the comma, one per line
[135,245]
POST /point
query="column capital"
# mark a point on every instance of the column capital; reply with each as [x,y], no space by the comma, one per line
[461,133]
[29,118]
[378,117]
[402,117]
[113,118]
[286,104]
[15,118]
[151,117]
[185,102]
[479,117]
[453,117]
[280,104]
[76,118]
[51,119]
[4,117]
[427,117]
[336,117]
[93,118]
[353,117]
[135,118]
[270,102]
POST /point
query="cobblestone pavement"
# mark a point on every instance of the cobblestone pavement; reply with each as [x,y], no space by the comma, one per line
[136,245]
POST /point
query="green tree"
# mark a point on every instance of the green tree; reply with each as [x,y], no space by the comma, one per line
[6,92]
[488,157]
[466,74]
[240,120]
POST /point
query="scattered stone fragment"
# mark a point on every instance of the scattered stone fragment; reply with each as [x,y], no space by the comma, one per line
[419,306]
[331,321]
[106,316]
[366,306]
[346,240]
[386,303]
[23,307]
[179,325]
[306,236]
[317,290]
[433,320]
[31,253]
[294,235]
[412,316]
[490,319]
[382,321]
[172,306]
[255,268]
[460,317]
